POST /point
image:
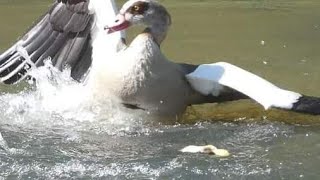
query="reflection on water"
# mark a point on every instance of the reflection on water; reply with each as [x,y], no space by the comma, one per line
[49,132]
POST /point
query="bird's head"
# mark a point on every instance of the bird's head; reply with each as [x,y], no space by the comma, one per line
[140,12]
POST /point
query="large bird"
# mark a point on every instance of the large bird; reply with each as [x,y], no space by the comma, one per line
[139,75]
[142,76]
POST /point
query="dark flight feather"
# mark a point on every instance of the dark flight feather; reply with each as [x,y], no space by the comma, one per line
[63,34]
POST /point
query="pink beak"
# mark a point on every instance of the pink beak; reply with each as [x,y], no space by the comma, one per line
[119,24]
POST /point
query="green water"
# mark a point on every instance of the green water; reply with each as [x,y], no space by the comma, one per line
[276,39]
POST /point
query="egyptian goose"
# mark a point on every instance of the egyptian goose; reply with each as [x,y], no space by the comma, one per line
[141,75]
[72,34]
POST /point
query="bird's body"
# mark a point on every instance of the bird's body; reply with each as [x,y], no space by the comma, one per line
[140,75]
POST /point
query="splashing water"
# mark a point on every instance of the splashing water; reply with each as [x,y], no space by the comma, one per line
[56,100]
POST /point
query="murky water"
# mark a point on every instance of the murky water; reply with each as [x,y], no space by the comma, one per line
[51,133]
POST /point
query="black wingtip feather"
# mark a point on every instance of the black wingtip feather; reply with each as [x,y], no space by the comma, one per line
[307,104]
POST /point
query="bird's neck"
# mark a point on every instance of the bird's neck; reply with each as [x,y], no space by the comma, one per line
[158,32]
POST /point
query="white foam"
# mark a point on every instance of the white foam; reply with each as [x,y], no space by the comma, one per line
[55,100]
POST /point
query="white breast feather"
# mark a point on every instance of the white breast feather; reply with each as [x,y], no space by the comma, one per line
[126,71]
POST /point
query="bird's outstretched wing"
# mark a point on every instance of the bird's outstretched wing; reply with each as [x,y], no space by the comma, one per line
[211,79]
[62,34]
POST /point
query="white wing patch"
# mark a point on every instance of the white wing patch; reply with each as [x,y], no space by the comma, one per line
[104,45]
[208,78]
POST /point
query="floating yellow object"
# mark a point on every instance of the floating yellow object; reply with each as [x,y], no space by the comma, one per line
[207,149]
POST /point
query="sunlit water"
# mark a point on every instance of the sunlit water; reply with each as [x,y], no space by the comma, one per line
[52,130]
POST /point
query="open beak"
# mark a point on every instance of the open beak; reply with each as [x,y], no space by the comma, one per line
[119,24]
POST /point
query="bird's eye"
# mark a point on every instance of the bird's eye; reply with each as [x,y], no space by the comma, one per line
[139,8]
[136,8]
